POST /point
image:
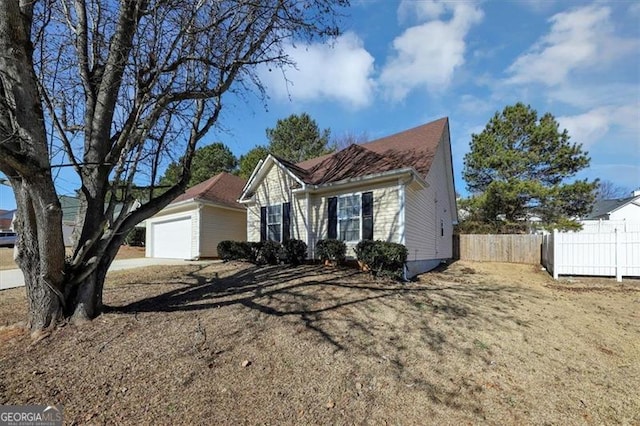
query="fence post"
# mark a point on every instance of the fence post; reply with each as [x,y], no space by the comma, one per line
[554,242]
[618,254]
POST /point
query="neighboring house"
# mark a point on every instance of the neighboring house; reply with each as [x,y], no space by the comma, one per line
[617,209]
[399,189]
[70,209]
[6,219]
[194,223]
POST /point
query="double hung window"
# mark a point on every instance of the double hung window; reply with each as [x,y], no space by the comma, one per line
[274,223]
[349,215]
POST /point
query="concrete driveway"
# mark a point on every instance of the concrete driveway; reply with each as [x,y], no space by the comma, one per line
[13,277]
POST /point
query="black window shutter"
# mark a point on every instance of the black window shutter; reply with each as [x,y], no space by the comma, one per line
[263,223]
[333,217]
[286,221]
[367,215]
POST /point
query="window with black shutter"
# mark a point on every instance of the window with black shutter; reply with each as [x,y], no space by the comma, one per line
[367,215]
[286,221]
[333,217]
[263,223]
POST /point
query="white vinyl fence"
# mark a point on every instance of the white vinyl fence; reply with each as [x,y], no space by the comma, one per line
[612,252]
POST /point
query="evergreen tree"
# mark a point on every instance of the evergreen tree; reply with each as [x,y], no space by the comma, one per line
[249,161]
[521,166]
[298,138]
[207,162]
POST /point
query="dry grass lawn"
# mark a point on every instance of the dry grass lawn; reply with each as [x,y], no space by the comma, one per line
[236,344]
[125,252]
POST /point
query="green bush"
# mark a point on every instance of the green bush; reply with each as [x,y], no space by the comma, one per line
[225,251]
[383,258]
[264,252]
[293,252]
[253,250]
[233,250]
[330,249]
[268,253]
[136,237]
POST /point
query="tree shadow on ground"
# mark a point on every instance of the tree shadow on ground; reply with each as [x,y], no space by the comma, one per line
[355,313]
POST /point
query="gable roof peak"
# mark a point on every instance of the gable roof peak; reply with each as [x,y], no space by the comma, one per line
[414,148]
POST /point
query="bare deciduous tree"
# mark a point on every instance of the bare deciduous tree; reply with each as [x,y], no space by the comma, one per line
[608,190]
[350,138]
[115,88]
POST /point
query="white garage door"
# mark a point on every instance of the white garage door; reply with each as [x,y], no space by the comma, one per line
[172,238]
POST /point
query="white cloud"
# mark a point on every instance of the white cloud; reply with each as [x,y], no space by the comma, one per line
[581,38]
[339,72]
[471,104]
[537,5]
[588,96]
[428,54]
[421,10]
[587,128]
[592,126]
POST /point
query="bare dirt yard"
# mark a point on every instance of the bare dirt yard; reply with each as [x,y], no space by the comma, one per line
[125,252]
[237,344]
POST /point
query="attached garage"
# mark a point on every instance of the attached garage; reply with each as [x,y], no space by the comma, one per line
[171,238]
[192,226]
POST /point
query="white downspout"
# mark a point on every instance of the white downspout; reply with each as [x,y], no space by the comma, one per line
[310,247]
[401,220]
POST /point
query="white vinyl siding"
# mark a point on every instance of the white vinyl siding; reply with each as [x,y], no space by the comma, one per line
[629,212]
[386,212]
[428,213]
[420,222]
[220,224]
[275,189]
[209,225]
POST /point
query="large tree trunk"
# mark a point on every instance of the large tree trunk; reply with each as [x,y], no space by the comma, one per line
[40,251]
[25,160]
[85,298]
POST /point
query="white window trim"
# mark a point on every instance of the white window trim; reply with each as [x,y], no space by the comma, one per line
[280,223]
[339,230]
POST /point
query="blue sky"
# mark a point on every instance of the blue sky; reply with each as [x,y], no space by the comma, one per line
[402,64]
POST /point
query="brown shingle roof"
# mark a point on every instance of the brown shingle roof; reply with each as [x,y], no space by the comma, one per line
[353,161]
[223,188]
[411,148]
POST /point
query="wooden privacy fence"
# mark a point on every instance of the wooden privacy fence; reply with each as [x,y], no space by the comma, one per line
[498,248]
[613,254]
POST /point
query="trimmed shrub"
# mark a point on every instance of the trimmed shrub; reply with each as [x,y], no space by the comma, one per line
[383,258]
[136,237]
[366,252]
[234,250]
[269,253]
[331,249]
[264,252]
[253,251]
[225,251]
[293,252]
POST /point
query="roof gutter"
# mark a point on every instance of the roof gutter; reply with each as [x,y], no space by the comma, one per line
[199,201]
[410,172]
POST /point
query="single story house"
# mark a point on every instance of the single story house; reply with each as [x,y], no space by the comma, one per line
[6,219]
[70,210]
[398,188]
[617,209]
[194,223]
[614,215]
